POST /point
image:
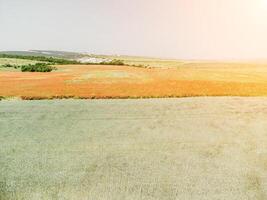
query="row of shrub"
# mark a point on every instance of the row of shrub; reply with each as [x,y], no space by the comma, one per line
[113,62]
[51,60]
[38,67]
[141,66]
[60,61]
[45,67]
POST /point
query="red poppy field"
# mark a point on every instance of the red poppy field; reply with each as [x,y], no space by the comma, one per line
[96,81]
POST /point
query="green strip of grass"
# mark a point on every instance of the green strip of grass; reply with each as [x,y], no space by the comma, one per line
[51,60]
[38,67]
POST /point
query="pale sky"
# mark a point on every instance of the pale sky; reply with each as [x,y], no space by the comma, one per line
[183,29]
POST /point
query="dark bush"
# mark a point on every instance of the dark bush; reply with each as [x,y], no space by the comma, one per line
[38,67]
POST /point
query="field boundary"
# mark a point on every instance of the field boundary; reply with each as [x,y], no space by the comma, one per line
[34,98]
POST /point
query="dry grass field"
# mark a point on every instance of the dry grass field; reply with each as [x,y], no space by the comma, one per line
[151,149]
[89,81]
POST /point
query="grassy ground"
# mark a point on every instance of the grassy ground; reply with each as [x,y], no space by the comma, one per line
[11,61]
[14,61]
[201,148]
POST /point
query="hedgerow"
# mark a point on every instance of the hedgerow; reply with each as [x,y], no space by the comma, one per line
[38,67]
[113,62]
[50,60]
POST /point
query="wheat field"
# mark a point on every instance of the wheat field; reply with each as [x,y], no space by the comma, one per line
[192,148]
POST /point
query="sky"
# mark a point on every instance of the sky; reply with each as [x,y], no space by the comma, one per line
[182,29]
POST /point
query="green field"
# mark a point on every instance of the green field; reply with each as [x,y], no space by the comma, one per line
[14,61]
[193,148]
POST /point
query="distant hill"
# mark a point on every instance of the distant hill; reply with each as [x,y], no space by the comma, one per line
[94,58]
